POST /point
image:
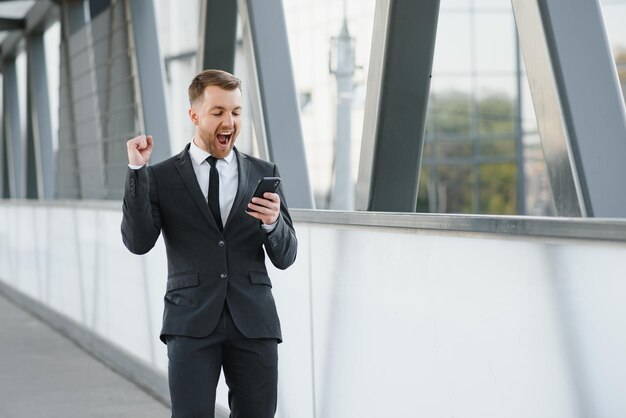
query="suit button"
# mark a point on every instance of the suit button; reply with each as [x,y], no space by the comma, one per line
[223,276]
[221,243]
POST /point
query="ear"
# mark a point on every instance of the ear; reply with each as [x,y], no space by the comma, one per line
[193,116]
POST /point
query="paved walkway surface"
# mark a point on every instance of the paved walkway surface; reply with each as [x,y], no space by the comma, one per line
[44,375]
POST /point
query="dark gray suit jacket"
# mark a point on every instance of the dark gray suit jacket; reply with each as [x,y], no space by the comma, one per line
[207,267]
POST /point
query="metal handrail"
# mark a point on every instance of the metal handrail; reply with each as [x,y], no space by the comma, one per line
[580,228]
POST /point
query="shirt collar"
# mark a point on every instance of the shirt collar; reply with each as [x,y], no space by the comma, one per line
[199,155]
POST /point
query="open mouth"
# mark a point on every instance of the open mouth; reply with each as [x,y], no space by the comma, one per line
[224,137]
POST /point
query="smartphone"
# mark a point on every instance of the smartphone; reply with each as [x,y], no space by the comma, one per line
[266,184]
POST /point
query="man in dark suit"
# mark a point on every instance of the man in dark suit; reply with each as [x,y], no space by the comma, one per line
[219,309]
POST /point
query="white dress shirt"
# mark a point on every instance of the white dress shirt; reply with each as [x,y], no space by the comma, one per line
[226,167]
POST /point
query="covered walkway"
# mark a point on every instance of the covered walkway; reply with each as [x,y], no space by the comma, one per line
[472,264]
[45,375]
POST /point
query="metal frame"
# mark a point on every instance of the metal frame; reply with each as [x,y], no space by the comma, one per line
[12,24]
[86,116]
[77,12]
[396,103]
[275,93]
[535,226]
[4,159]
[69,185]
[13,131]
[253,90]
[31,190]
[578,103]
[602,229]
[217,35]
[39,117]
[151,75]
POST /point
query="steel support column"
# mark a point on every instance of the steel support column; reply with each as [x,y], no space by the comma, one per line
[77,14]
[5,188]
[31,190]
[150,72]
[218,35]
[13,130]
[578,104]
[396,103]
[4,161]
[278,126]
[39,117]
[81,155]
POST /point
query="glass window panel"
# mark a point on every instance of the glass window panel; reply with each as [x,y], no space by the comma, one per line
[487,83]
[446,189]
[495,113]
[453,44]
[178,41]
[311,27]
[498,191]
[539,199]
[614,12]
[473,123]
[447,5]
[495,42]
[178,25]
[449,115]
[446,82]
[492,5]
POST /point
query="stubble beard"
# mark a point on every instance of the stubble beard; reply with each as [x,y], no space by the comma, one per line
[210,144]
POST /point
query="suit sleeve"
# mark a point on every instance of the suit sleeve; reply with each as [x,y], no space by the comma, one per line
[141,217]
[281,244]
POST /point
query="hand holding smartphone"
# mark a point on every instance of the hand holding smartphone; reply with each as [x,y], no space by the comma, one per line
[266,184]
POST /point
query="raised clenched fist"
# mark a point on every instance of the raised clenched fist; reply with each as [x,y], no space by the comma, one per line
[139,149]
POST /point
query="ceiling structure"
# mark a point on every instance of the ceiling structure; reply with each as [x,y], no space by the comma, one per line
[21,17]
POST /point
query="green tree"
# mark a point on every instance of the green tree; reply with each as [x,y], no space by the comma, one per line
[469,155]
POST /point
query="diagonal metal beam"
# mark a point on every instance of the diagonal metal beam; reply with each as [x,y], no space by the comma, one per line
[4,162]
[8,48]
[149,66]
[31,190]
[277,124]
[13,129]
[578,103]
[395,110]
[40,117]
[12,24]
[218,35]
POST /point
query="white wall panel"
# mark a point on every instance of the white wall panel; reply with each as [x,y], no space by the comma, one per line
[377,321]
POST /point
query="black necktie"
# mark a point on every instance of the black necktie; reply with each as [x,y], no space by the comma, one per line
[214,192]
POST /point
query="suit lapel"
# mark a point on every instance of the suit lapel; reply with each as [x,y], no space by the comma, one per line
[185,168]
[243,183]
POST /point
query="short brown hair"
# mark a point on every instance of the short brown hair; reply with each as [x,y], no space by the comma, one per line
[219,78]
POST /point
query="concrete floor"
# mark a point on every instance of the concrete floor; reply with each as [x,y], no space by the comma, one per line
[44,375]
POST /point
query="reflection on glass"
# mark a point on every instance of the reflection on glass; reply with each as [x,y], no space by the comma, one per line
[477,147]
[314,30]
[178,40]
